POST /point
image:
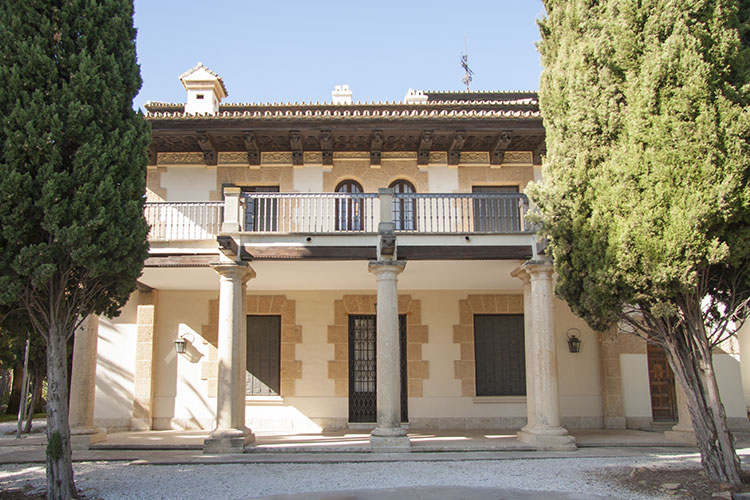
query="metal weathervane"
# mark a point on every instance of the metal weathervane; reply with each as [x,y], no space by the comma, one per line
[465,65]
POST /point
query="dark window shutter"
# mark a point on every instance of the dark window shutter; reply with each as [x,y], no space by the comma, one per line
[263,355]
[499,354]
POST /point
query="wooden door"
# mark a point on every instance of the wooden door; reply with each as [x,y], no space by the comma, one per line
[661,381]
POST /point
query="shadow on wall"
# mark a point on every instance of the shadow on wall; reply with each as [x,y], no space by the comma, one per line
[114,391]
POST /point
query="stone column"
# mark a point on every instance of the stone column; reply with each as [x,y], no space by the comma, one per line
[683,431]
[544,430]
[231,435]
[388,436]
[83,385]
[528,339]
[143,384]
[613,403]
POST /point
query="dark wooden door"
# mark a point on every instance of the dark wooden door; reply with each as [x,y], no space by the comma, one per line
[363,369]
[263,355]
[661,382]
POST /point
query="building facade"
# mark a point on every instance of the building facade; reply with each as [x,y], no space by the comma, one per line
[362,265]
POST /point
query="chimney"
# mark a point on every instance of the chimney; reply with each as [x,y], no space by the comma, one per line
[205,90]
[415,97]
[341,94]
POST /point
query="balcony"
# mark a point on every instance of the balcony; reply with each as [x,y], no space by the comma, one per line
[267,214]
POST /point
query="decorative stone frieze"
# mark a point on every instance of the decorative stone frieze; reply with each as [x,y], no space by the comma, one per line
[180,159]
[233,158]
[525,157]
[276,158]
[463,333]
[474,158]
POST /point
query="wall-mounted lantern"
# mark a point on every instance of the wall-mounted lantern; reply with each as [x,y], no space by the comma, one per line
[574,340]
[180,344]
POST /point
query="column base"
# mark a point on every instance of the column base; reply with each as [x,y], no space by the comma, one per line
[140,424]
[547,439]
[615,423]
[228,440]
[81,438]
[390,444]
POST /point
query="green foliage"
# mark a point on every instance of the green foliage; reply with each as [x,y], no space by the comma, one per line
[646,197]
[54,446]
[72,160]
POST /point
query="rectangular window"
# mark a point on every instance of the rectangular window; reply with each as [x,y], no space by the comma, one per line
[263,356]
[499,354]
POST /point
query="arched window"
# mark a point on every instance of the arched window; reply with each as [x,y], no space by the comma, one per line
[349,211]
[404,209]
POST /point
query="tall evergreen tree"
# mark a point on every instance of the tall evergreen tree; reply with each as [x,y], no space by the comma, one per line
[72,178]
[646,201]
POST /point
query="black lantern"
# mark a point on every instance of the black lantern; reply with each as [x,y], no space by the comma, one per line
[179,345]
[574,340]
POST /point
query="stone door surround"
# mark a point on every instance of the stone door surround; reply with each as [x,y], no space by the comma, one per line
[338,335]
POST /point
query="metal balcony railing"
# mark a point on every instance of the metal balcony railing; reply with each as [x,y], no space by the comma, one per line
[346,213]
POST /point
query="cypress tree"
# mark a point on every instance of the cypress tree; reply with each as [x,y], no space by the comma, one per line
[72,177]
[646,200]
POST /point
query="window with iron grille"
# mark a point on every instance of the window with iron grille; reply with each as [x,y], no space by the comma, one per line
[263,356]
[499,354]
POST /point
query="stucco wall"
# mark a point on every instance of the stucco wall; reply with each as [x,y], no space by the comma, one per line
[637,395]
[202,183]
[182,397]
[115,369]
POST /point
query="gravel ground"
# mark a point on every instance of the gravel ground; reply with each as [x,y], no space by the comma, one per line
[115,481]
[37,425]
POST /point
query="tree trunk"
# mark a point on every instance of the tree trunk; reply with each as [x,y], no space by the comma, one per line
[15,390]
[4,384]
[694,370]
[60,484]
[36,394]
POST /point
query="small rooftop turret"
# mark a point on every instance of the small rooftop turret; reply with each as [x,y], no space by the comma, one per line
[341,94]
[205,90]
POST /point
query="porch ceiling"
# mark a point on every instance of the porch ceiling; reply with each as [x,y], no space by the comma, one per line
[345,275]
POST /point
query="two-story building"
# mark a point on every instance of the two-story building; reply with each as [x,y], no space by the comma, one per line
[336,265]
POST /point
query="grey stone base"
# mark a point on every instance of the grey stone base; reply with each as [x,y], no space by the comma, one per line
[228,441]
[82,439]
[681,436]
[390,444]
[548,442]
[615,423]
[140,424]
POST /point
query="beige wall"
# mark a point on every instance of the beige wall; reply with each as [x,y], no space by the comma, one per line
[182,398]
[197,182]
[637,395]
[115,368]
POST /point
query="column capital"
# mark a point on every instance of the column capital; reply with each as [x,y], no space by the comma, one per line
[379,267]
[522,274]
[538,268]
[236,270]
